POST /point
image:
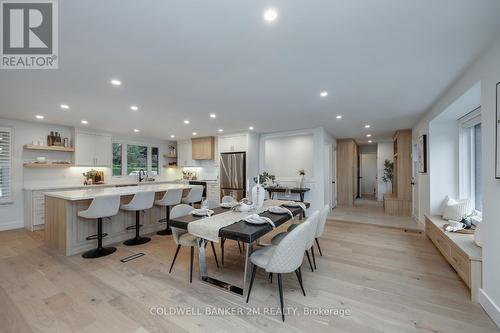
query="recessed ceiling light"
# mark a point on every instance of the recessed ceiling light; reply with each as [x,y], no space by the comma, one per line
[116,82]
[370,141]
[213,115]
[194,133]
[367,126]
[220,130]
[64,106]
[39,117]
[250,128]
[270,15]
[85,122]
[134,108]
[186,121]
[339,117]
[324,93]
[136,130]
[368,135]
[1,148]
[172,136]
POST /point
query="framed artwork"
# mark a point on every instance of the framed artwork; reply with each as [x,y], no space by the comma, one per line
[422,154]
[497,135]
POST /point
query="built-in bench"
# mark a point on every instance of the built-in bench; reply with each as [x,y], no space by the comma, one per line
[460,251]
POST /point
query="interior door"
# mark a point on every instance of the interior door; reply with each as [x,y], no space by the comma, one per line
[333,172]
[368,170]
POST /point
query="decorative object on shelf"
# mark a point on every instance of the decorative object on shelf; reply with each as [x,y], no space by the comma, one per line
[422,154]
[265,178]
[302,174]
[497,127]
[93,177]
[172,152]
[186,174]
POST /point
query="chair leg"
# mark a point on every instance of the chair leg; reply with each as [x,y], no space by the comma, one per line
[191,265]
[270,277]
[314,259]
[175,257]
[299,277]
[137,240]
[167,230]
[309,259]
[215,254]
[280,286]
[99,251]
[239,247]
[254,270]
[222,240]
[319,248]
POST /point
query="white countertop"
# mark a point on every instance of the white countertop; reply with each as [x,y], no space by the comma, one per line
[91,193]
[80,186]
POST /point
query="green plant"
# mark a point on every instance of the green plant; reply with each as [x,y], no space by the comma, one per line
[388,170]
[302,172]
[263,177]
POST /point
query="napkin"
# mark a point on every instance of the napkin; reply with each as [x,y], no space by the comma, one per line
[257,219]
[295,204]
[279,210]
[202,212]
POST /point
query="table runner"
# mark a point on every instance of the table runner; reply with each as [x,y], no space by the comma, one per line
[208,227]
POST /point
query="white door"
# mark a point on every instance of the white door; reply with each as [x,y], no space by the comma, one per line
[416,210]
[368,170]
[333,173]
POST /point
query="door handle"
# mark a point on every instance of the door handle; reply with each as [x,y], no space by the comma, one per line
[333,182]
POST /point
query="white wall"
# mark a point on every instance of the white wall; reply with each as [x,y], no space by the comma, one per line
[486,71]
[384,152]
[285,155]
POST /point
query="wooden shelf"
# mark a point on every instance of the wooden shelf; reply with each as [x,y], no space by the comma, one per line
[170,166]
[170,156]
[50,148]
[46,165]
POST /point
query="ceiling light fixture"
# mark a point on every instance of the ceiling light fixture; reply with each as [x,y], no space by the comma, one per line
[339,117]
[220,130]
[186,121]
[368,135]
[367,126]
[250,128]
[213,115]
[194,133]
[324,93]
[172,136]
[85,122]
[270,15]
[64,106]
[370,141]
[116,82]
[39,117]
[136,130]
[134,108]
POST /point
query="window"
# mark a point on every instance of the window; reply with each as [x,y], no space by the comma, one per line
[5,165]
[117,159]
[470,158]
[130,158]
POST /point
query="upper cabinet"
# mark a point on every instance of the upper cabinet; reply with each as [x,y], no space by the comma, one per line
[203,148]
[185,154]
[233,143]
[92,149]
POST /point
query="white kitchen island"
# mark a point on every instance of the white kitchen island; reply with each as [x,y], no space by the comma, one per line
[66,232]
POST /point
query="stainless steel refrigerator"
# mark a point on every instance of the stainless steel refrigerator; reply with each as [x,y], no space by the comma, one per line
[233,175]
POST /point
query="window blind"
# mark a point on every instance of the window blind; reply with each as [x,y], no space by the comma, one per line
[5,165]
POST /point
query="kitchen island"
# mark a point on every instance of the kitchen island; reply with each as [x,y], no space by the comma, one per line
[66,232]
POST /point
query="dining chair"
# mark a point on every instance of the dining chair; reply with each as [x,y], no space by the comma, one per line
[321,226]
[195,195]
[286,257]
[184,238]
[314,220]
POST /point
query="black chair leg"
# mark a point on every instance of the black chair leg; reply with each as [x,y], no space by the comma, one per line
[254,270]
[239,247]
[270,277]
[319,248]
[314,258]
[222,240]
[175,257]
[167,230]
[191,265]
[215,254]
[280,286]
[99,251]
[309,259]
[137,240]
[299,277]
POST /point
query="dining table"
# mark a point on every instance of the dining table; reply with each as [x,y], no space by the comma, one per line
[241,231]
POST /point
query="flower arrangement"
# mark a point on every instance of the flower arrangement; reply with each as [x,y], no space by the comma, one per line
[302,172]
[263,177]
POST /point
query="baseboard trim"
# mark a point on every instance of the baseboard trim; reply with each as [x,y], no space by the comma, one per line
[490,307]
[11,225]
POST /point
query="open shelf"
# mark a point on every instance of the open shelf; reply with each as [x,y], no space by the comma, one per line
[47,165]
[170,156]
[50,148]
[169,166]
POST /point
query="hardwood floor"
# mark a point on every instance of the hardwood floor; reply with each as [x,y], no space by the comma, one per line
[388,280]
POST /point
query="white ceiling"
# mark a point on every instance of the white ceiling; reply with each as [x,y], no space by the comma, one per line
[383,62]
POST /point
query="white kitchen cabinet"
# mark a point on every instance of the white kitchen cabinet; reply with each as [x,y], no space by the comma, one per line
[233,143]
[185,154]
[92,149]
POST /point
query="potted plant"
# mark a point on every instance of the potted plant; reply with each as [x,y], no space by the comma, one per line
[265,178]
[388,172]
[302,174]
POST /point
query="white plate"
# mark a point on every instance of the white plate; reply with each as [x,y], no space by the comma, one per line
[228,204]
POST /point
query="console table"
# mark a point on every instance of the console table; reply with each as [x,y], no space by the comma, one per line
[295,190]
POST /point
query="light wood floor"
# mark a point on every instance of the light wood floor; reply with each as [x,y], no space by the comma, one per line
[372,212]
[388,280]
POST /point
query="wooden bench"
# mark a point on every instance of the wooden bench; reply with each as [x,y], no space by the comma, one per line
[460,251]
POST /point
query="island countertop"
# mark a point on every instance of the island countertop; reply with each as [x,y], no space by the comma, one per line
[91,193]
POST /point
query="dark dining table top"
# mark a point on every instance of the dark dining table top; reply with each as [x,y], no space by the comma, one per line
[240,230]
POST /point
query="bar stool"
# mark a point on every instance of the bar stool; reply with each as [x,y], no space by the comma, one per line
[171,198]
[140,201]
[194,196]
[101,207]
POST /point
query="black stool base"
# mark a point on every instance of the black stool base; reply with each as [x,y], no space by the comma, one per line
[99,252]
[164,232]
[136,241]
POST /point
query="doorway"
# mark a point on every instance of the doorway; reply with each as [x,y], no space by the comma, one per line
[329,167]
[368,175]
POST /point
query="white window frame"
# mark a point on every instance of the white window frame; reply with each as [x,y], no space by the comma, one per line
[149,161]
[9,199]
[467,166]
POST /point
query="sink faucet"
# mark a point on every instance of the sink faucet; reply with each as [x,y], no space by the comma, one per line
[142,175]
